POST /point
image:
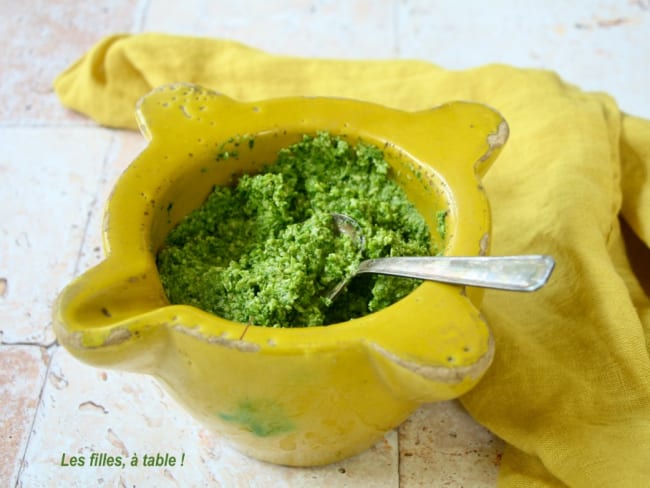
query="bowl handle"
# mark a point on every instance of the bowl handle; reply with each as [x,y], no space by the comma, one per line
[440,358]
[102,317]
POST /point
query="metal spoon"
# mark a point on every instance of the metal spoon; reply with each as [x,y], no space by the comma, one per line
[513,273]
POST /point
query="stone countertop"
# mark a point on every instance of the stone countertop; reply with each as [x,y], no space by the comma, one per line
[57,169]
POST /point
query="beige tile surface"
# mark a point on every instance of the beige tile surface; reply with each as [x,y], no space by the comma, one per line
[40,39]
[592,44]
[351,29]
[440,445]
[57,169]
[49,183]
[22,370]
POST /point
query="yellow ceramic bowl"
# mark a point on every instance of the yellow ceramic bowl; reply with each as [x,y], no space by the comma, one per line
[296,396]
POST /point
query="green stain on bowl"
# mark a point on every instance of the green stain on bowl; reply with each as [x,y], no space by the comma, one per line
[263,418]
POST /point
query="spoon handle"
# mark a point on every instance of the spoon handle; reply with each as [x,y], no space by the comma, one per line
[515,273]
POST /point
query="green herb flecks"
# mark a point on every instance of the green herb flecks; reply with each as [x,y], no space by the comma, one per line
[266,250]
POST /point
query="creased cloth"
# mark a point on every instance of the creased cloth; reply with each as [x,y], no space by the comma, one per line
[569,389]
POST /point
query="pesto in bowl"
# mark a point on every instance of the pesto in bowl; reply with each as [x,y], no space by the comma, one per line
[266,251]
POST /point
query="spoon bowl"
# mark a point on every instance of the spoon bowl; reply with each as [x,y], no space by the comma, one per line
[512,273]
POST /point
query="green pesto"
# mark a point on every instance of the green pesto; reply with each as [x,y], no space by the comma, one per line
[266,251]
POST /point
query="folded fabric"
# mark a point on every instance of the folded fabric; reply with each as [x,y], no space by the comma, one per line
[569,390]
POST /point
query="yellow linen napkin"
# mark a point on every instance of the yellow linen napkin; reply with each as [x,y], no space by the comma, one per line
[569,390]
